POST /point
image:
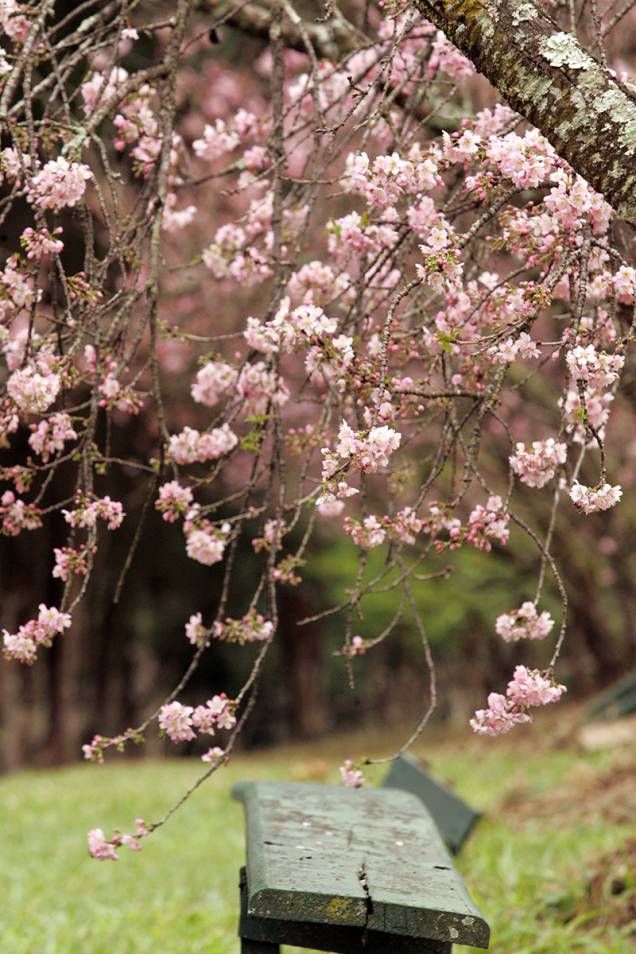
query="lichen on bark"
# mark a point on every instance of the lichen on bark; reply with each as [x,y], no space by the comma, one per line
[561,49]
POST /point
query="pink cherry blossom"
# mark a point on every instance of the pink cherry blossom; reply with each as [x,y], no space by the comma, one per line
[17,515]
[50,435]
[524,623]
[514,349]
[500,717]
[367,451]
[39,244]
[190,446]
[205,543]
[176,721]
[537,466]
[488,523]
[529,687]
[596,368]
[69,562]
[252,627]
[216,141]
[59,184]
[174,501]
[99,847]
[23,645]
[591,499]
[213,380]
[89,511]
[213,756]
[32,391]
[351,776]
[257,385]
[368,534]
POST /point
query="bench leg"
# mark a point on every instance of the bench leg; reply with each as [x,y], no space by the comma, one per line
[258,947]
[249,946]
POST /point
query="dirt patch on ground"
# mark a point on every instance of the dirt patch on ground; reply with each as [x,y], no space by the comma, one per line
[605,892]
[612,889]
[610,794]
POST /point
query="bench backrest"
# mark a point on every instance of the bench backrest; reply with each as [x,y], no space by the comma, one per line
[453,817]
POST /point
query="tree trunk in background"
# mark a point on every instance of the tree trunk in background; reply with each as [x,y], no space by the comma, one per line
[304,668]
[600,657]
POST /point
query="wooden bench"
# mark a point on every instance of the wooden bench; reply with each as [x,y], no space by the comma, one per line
[616,702]
[454,818]
[349,871]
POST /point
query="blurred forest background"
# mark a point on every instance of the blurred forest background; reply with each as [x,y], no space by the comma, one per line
[122,658]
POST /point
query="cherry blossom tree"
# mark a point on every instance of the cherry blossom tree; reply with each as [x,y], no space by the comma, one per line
[388,272]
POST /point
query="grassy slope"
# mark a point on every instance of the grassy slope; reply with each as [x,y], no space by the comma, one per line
[527,865]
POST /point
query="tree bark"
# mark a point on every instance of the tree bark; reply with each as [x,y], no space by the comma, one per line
[331,40]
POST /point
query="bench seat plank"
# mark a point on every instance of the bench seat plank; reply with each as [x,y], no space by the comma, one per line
[366,858]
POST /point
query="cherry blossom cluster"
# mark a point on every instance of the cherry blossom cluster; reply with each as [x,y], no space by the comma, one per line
[538,465]
[213,381]
[441,520]
[329,355]
[252,627]
[69,562]
[17,515]
[24,644]
[190,446]
[488,523]
[386,179]
[217,139]
[105,849]
[205,542]
[39,244]
[88,511]
[514,349]
[595,368]
[527,689]
[351,775]
[181,723]
[368,534]
[59,184]
[366,451]
[51,434]
[590,499]
[485,523]
[174,501]
[35,387]
[372,532]
[524,623]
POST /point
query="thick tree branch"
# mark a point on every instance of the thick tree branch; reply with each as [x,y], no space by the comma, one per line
[330,40]
[545,75]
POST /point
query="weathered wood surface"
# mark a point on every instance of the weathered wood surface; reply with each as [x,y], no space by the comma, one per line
[454,818]
[327,937]
[367,858]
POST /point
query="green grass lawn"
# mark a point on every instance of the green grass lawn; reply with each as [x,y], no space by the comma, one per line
[550,864]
